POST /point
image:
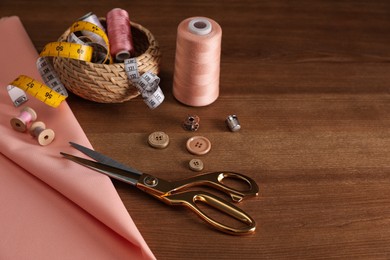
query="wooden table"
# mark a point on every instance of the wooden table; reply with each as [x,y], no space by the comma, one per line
[309,82]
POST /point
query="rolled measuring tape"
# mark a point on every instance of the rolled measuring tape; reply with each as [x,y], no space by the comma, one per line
[100,38]
[92,18]
[147,84]
[53,91]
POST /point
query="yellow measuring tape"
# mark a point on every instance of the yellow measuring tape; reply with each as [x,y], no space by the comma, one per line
[67,50]
[39,90]
[76,51]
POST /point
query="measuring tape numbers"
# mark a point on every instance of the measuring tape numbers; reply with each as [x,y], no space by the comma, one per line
[67,50]
[147,84]
[39,90]
[53,92]
[98,37]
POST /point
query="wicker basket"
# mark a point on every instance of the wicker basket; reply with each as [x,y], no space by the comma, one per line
[109,83]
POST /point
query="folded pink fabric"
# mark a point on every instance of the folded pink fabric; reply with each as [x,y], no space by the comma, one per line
[52,208]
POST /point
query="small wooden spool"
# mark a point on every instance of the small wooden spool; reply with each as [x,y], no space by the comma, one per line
[44,135]
[21,122]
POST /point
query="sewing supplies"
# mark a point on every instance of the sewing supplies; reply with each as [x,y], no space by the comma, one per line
[191,123]
[233,123]
[175,193]
[39,90]
[147,84]
[94,37]
[198,145]
[16,95]
[196,165]
[86,42]
[53,92]
[197,61]
[92,18]
[68,50]
[49,76]
[119,33]
[100,39]
[26,116]
[37,129]
[90,36]
[108,83]
[43,135]
[158,140]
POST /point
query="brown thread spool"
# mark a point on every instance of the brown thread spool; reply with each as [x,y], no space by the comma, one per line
[191,123]
[26,116]
[44,135]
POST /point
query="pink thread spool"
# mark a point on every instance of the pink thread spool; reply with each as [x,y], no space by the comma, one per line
[44,136]
[21,122]
[119,34]
[197,61]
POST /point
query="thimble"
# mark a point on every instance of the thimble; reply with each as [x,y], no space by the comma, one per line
[233,123]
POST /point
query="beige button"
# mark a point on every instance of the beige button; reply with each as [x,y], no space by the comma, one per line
[198,145]
[196,165]
[158,140]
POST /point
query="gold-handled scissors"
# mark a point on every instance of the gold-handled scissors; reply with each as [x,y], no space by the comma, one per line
[176,192]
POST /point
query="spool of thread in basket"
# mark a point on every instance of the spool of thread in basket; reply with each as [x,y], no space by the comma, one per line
[197,61]
[119,34]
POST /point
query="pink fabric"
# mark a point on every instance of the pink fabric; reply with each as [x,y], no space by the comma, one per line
[52,208]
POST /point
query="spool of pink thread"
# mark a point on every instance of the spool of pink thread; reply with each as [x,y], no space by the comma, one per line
[119,34]
[26,116]
[197,61]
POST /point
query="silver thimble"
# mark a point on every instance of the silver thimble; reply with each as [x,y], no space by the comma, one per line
[233,123]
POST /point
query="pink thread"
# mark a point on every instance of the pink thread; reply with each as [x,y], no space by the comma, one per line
[197,61]
[119,34]
[26,117]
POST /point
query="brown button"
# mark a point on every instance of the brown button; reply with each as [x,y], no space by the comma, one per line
[196,165]
[198,145]
[158,140]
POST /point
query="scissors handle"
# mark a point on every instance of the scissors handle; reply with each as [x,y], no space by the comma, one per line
[176,193]
[190,199]
[216,180]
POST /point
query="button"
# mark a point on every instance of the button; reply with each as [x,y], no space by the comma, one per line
[196,165]
[158,140]
[198,145]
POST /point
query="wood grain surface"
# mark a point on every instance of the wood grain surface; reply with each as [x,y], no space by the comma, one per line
[309,82]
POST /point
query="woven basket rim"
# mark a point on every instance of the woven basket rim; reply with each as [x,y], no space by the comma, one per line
[108,83]
[151,40]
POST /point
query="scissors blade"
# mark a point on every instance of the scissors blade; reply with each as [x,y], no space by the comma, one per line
[129,177]
[103,159]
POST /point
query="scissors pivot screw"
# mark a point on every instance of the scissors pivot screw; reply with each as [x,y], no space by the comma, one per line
[150,181]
